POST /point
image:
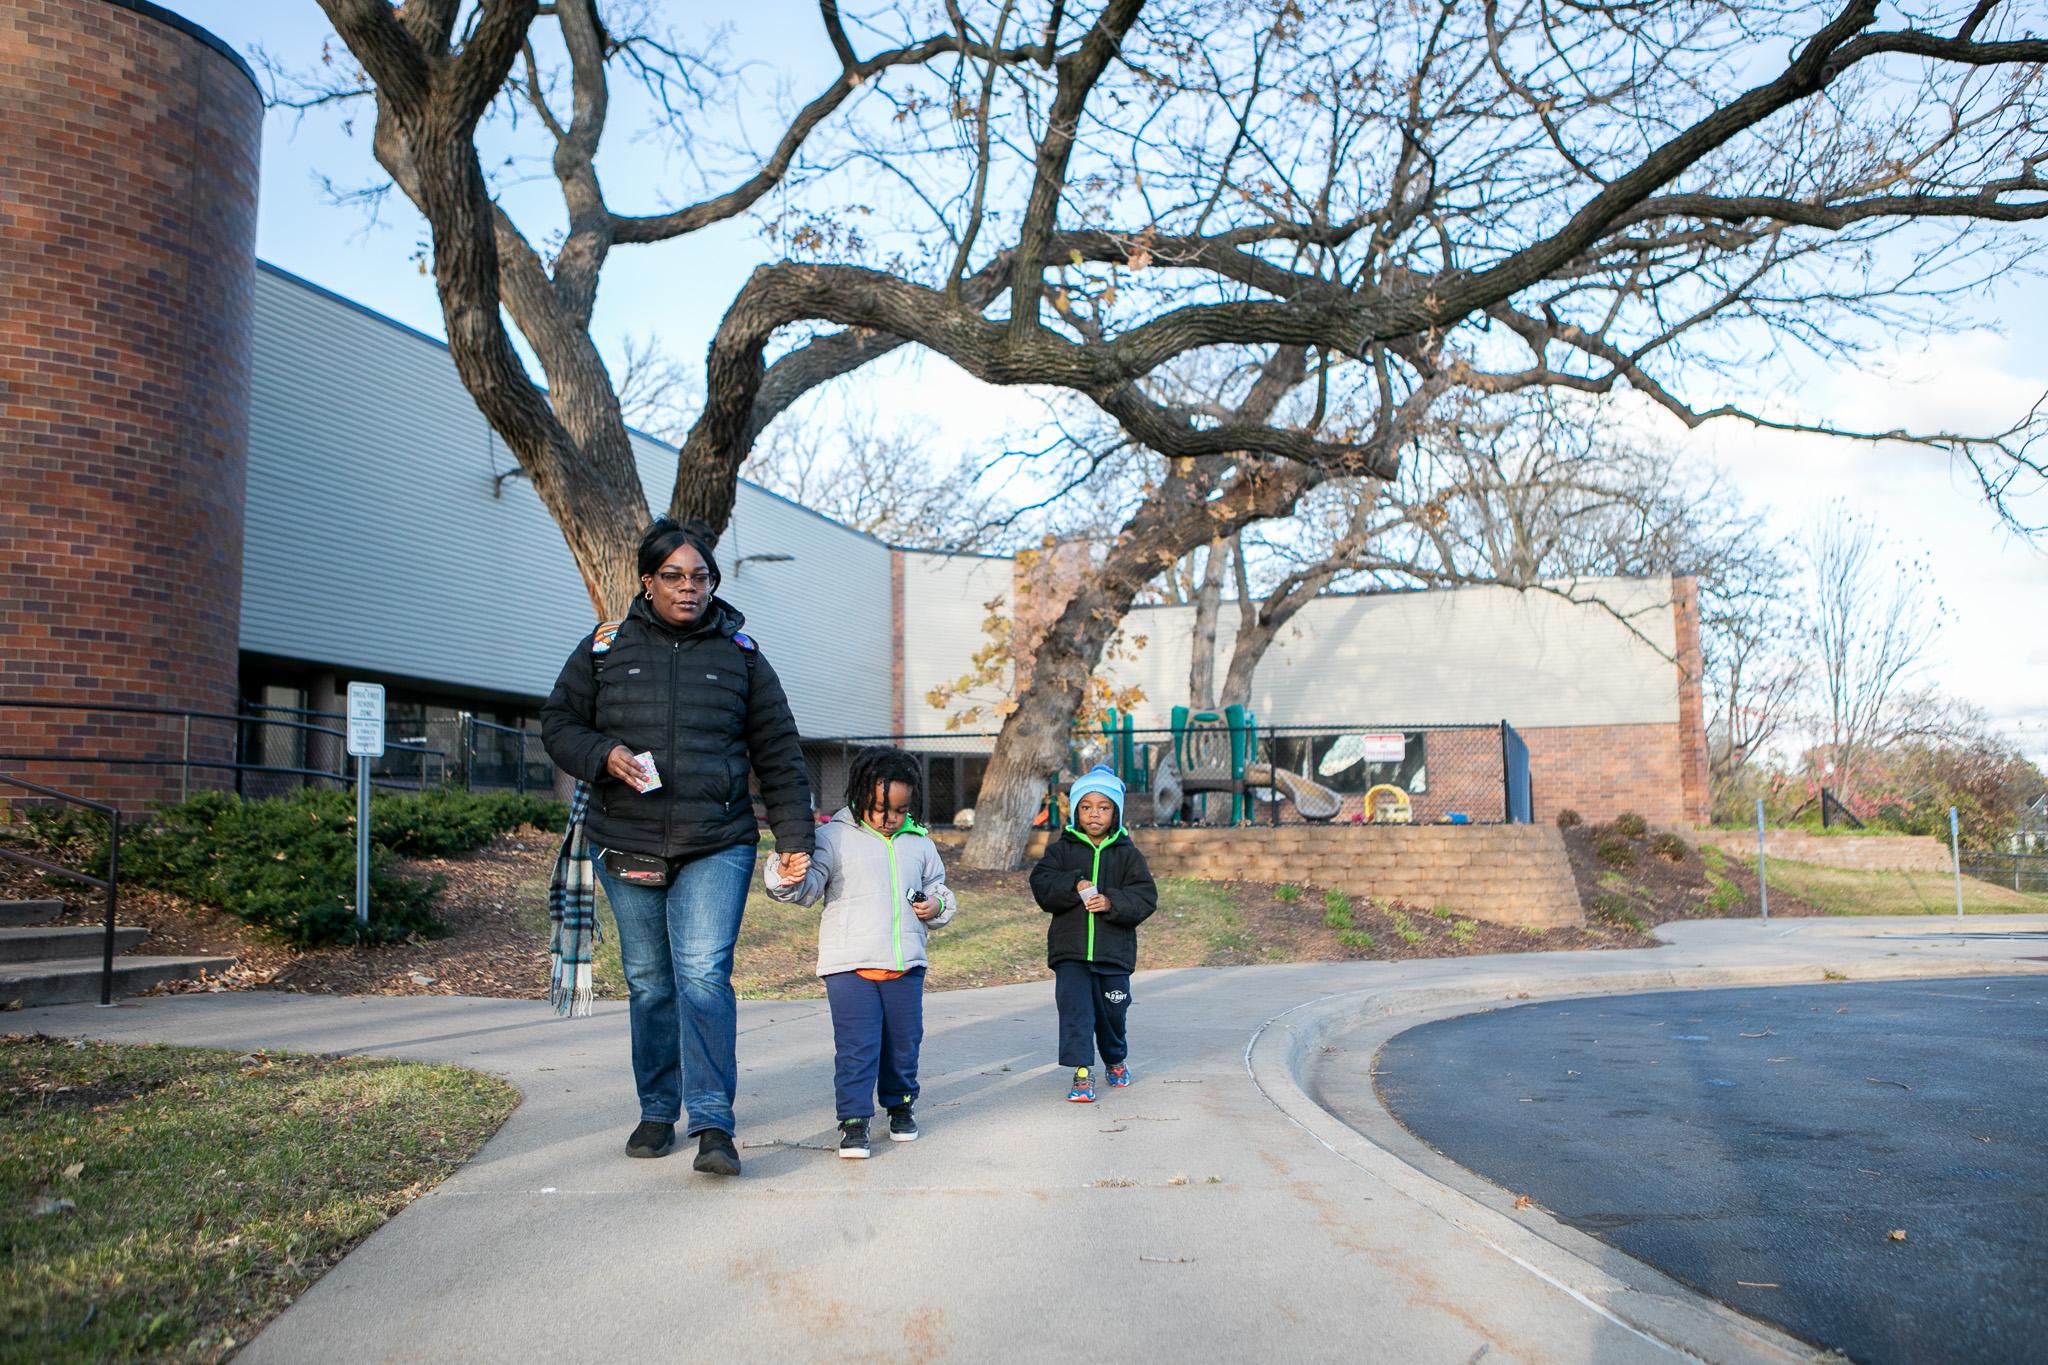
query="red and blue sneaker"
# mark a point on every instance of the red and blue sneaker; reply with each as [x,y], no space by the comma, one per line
[1084,1087]
[1119,1075]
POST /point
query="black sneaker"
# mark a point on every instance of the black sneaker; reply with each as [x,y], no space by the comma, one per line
[715,1153]
[853,1139]
[652,1139]
[902,1124]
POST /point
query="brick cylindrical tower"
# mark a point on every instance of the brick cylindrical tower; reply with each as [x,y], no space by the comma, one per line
[129,145]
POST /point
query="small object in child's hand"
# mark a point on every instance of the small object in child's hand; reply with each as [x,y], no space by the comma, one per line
[1087,891]
[649,777]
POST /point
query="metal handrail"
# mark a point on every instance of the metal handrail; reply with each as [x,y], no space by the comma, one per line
[111,884]
[185,762]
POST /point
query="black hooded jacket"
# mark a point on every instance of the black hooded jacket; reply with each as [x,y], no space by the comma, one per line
[1120,873]
[707,705]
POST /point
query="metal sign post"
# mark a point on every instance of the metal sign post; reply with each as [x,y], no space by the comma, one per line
[365,742]
[1955,853]
[1763,889]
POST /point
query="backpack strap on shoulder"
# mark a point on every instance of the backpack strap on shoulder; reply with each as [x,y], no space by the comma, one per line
[601,642]
[748,650]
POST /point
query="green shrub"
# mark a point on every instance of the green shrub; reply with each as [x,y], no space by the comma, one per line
[1405,927]
[1442,913]
[1286,893]
[287,865]
[1355,938]
[1630,825]
[1616,851]
[1569,819]
[1336,909]
[1463,930]
[1669,847]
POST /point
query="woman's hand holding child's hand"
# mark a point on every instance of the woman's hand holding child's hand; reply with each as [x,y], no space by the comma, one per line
[791,867]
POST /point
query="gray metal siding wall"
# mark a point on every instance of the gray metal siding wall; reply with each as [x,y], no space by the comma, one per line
[373,542]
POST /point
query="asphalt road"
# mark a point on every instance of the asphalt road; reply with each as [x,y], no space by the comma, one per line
[1765,1144]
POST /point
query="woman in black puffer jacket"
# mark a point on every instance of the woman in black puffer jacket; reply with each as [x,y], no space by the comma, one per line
[677,680]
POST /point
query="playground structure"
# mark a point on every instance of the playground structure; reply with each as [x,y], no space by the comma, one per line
[1473,774]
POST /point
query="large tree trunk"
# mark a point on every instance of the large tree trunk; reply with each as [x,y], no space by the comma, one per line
[1202,657]
[1175,518]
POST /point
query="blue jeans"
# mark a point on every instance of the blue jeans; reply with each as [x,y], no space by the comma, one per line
[877,1027]
[675,943]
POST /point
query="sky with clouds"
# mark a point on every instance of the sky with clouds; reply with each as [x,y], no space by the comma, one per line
[1993,650]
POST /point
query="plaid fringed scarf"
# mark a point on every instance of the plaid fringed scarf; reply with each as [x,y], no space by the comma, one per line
[572,908]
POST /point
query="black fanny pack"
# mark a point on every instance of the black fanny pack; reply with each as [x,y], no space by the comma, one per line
[637,868]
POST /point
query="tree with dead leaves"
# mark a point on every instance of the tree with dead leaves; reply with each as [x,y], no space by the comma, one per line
[1377,204]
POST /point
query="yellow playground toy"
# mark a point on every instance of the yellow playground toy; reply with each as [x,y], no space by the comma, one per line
[1387,804]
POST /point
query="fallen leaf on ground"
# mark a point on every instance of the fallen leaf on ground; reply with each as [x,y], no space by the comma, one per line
[1896,1235]
[1980,1139]
[73,1171]
[1178,1180]
[1524,1202]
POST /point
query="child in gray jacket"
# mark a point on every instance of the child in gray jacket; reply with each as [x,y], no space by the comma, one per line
[884,888]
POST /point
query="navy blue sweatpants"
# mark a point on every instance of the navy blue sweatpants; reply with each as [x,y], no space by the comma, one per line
[1091,1002]
[876,1029]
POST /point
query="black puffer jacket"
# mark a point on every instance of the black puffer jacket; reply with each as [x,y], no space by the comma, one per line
[706,705]
[1120,873]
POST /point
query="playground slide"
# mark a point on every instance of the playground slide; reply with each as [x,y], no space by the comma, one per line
[1313,800]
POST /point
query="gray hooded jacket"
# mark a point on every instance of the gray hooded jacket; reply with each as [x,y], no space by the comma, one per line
[866,881]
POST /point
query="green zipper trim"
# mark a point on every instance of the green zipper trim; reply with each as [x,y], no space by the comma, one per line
[1094,872]
[910,826]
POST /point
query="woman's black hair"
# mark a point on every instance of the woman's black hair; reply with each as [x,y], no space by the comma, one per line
[874,768]
[666,535]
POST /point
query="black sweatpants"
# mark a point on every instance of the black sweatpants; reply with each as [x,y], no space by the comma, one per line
[1092,1004]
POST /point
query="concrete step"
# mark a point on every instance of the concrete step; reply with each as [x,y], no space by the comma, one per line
[73,980]
[41,945]
[14,913]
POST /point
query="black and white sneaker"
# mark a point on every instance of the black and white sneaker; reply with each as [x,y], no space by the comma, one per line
[902,1124]
[651,1139]
[715,1153]
[853,1139]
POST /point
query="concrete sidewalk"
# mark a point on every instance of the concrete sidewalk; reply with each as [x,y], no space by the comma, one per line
[1021,1227]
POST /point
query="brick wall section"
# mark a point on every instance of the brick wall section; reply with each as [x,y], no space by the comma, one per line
[1692,713]
[1855,852]
[1601,771]
[1504,874]
[128,150]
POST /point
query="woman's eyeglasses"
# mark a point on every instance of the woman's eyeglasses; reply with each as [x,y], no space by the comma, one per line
[673,579]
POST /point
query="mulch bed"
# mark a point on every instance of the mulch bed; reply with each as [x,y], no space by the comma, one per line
[495,905]
[1662,890]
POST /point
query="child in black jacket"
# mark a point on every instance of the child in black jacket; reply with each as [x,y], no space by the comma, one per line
[1094,883]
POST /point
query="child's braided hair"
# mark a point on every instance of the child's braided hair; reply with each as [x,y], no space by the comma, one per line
[880,767]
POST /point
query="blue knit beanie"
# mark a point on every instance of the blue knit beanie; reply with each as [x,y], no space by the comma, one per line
[1099,779]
